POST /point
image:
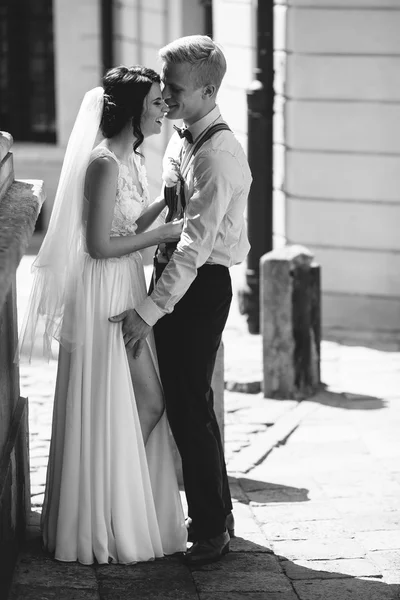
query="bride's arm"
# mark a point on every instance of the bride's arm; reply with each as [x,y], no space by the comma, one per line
[101,189]
[149,215]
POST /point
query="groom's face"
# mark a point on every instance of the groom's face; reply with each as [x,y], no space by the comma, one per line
[184,100]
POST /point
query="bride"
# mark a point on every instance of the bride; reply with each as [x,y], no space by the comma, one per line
[111,489]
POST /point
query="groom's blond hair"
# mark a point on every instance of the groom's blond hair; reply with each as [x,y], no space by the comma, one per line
[206,57]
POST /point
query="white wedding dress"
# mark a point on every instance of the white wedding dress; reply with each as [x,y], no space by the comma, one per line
[108,498]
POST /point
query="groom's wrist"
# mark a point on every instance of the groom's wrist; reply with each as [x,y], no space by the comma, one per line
[149,311]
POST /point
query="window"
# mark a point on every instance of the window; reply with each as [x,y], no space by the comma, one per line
[27,97]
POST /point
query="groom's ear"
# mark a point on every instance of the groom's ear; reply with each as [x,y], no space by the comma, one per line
[209,91]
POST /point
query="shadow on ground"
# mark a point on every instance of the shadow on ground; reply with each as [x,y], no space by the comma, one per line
[246,490]
[378,342]
[347,400]
[250,571]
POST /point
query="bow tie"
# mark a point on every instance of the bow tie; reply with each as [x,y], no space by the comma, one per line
[184,132]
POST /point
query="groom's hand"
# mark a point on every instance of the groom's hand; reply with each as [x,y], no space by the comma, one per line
[134,330]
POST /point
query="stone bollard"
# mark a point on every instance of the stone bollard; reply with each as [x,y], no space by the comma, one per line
[20,202]
[290,322]
[218,387]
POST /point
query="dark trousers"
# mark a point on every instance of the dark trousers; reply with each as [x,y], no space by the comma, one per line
[187,341]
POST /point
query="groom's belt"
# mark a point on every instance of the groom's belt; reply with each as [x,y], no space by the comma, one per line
[160,266]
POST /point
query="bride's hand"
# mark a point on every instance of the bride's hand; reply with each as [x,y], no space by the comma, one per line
[171,232]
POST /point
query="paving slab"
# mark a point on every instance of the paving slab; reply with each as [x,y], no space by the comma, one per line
[330,569]
[162,569]
[293,511]
[286,595]
[242,573]
[148,590]
[369,490]
[245,523]
[388,560]
[251,542]
[319,549]
[380,540]
[391,577]
[328,488]
[37,592]
[304,530]
[364,506]
[278,494]
[41,570]
[374,520]
[346,589]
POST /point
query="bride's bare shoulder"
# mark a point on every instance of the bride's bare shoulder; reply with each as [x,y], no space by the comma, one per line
[103,166]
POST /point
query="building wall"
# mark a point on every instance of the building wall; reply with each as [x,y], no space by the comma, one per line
[235,28]
[77,65]
[141,28]
[341,141]
[19,207]
[77,54]
[234,24]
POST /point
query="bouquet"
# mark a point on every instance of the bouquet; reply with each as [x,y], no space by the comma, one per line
[173,190]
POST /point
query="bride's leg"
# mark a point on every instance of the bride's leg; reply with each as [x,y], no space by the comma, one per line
[148,391]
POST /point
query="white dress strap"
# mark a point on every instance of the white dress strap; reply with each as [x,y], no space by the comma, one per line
[101,151]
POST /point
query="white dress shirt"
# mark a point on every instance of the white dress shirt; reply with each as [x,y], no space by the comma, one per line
[216,189]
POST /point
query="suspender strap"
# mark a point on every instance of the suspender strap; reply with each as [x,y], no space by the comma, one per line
[206,135]
[170,194]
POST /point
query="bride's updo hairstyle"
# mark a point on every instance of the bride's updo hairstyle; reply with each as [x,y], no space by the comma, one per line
[125,89]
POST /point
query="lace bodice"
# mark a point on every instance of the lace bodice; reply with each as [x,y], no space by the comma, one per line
[132,192]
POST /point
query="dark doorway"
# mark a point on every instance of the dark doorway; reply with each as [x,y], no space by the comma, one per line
[27,95]
[208,20]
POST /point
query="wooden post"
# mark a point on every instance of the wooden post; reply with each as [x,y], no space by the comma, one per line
[290,322]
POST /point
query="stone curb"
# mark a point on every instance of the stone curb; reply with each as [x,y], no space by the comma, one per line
[277,434]
[244,387]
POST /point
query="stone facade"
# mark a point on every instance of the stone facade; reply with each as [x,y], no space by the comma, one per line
[234,27]
[336,121]
[20,203]
[337,105]
[140,29]
[341,144]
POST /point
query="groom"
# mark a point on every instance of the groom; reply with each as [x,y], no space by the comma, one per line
[189,304]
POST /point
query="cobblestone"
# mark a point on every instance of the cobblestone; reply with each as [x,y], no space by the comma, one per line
[316,519]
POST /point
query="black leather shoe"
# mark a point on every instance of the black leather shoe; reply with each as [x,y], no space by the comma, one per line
[229,524]
[207,551]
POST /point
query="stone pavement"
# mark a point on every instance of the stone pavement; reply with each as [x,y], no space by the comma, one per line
[316,488]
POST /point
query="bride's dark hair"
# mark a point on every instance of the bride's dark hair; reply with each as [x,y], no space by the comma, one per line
[125,89]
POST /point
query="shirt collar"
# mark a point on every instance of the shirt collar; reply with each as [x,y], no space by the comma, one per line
[199,126]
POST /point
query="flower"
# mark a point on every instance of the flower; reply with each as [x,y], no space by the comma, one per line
[171,173]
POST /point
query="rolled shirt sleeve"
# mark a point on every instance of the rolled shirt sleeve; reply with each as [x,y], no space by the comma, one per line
[215,177]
